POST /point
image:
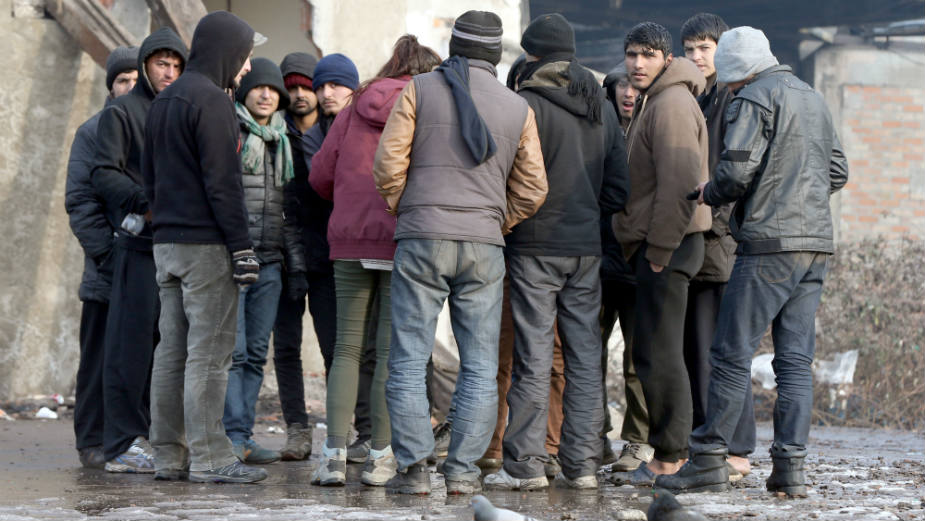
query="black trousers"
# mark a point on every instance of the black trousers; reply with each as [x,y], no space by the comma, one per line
[88,406]
[658,345]
[703,300]
[131,335]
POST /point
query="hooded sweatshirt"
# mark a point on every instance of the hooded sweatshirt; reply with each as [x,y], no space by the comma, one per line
[585,158]
[667,149]
[120,138]
[342,171]
[191,169]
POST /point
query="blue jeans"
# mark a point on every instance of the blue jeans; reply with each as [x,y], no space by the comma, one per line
[781,290]
[426,273]
[257,306]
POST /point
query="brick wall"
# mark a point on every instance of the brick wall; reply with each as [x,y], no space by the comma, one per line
[883,133]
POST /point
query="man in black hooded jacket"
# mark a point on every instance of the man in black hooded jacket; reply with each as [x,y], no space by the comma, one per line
[201,248]
[131,324]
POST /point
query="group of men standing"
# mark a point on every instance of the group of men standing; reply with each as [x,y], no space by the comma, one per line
[589,203]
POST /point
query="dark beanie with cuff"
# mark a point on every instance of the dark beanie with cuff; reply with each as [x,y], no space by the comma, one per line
[338,69]
[120,60]
[548,34]
[477,35]
[263,72]
[298,68]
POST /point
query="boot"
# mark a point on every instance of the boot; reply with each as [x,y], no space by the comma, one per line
[704,472]
[787,476]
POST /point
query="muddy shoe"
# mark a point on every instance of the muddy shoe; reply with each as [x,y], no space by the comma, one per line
[358,451]
[704,472]
[489,464]
[298,442]
[501,480]
[380,467]
[415,480]
[607,456]
[552,467]
[787,476]
[455,487]
[171,474]
[641,477]
[332,471]
[580,483]
[92,457]
[631,456]
[442,434]
[258,455]
[237,472]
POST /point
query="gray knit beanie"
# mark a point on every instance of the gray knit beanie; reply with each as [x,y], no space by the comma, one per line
[121,59]
[740,53]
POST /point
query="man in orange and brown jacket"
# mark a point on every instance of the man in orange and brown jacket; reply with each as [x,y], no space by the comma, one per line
[661,233]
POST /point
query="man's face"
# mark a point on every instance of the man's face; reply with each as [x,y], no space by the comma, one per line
[625,94]
[302,100]
[243,72]
[644,65]
[163,69]
[262,101]
[123,83]
[333,97]
[701,53]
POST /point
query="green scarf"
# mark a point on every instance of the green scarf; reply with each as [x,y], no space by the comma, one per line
[254,149]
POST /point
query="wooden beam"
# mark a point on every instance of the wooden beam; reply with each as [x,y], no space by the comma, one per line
[180,15]
[91,24]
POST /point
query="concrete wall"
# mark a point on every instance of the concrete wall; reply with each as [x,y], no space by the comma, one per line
[877,97]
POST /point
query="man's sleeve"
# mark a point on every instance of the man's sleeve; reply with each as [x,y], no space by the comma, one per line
[745,144]
[324,162]
[393,155]
[616,184]
[526,185]
[85,211]
[216,132]
[113,145]
[838,167]
[292,230]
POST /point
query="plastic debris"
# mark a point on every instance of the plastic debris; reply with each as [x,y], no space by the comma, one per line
[57,398]
[485,511]
[273,429]
[839,370]
[46,414]
[5,416]
[762,372]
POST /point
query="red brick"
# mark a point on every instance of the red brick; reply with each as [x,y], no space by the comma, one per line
[899,229]
[867,219]
[900,180]
[892,124]
[871,139]
[913,108]
[914,157]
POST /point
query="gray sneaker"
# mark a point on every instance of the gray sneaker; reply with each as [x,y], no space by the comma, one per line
[332,470]
[358,451]
[552,466]
[462,486]
[379,468]
[415,480]
[298,442]
[442,435]
[501,480]
[237,472]
[135,460]
[631,456]
[581,482]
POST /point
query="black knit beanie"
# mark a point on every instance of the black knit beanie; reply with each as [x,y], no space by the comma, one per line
[121,59]
[549,34]
[263,72]
[477,35]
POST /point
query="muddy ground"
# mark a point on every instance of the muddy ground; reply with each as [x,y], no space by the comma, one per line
[855,474]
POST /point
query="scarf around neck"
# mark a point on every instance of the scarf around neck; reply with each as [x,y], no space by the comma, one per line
[475,132]
[254,148]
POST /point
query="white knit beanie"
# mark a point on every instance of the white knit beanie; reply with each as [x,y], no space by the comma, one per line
[740,53]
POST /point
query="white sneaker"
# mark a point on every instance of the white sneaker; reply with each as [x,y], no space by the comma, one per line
[379,468]
[581,482]
[138,459]
[501,480]
[332,470]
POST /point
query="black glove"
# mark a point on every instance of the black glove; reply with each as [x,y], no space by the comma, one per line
[296,285]
[246,267]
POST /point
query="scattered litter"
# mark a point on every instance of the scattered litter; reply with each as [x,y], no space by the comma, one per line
[273,429]
[321,425]
[485,511]
[839,370]
[5,416]
[46,414]
[631,514]
[763,372]
[57,398]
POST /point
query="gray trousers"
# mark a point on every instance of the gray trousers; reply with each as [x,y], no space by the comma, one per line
[544,289]
[199,302]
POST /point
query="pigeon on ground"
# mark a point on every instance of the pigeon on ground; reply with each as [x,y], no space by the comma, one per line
[665,507]
[485,511]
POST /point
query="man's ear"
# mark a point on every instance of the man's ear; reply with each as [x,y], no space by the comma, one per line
[669,58]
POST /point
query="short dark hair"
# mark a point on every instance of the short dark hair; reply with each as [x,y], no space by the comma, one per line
[649,35]
[703,26]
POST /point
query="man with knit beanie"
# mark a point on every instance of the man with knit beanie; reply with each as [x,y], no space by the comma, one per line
[266,164]
[471,172]
[297,69]
[93,231]
[131,324]
[782,161]
[554,263]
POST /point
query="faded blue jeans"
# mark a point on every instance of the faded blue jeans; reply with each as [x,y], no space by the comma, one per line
[777,289]
[428,272]
[257,307]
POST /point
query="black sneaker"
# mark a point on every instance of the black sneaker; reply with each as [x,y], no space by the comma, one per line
[92,457]
[171,474]
[415,480]
[442,435]
[237,472]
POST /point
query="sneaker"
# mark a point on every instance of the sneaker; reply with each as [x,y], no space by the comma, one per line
[632,455]
[608,456]
[248,451]
[641,477]
[455,487]
[171,474]
[552,466]
[501,480]
[442,434]
[380,467]
[358,452]
[135,460]
[298,443]
[236,472]
[92,457]
[415,480]
[580,483]
[332,471]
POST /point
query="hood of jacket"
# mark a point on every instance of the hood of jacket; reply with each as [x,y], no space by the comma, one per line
[163,38]
[375,102]
[222,43]
[680,71]
[552,81]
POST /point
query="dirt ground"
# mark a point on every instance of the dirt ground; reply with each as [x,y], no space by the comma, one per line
[855,474]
